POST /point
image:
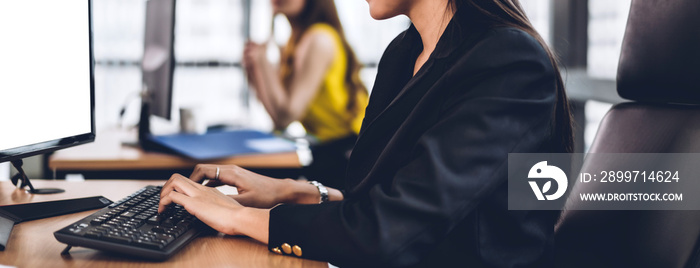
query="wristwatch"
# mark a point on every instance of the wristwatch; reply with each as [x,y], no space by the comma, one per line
[322,190]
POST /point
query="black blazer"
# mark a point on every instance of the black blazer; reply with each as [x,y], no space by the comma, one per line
[426,182]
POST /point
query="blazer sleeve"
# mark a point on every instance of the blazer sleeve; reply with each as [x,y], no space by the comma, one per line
[501,97]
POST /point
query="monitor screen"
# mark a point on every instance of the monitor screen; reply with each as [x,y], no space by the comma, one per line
[158,62]
[46,76]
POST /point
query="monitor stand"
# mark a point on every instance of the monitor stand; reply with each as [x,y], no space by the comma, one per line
[144,131]
[21,176]
[144,137]
[144,134]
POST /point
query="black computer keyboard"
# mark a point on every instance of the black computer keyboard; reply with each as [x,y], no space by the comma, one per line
[133,226]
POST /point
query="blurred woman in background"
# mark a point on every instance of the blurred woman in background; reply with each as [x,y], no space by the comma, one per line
[317,83]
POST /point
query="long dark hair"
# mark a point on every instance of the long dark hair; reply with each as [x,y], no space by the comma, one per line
[510,13]
[323,11]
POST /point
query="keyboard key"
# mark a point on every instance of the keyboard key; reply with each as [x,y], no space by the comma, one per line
[148,244]
[168,223]
[93,234]
[184,224]
[156,219]
[137,222]
[165,237]
[117,238]
[128,214]
[175,231]
[108,226]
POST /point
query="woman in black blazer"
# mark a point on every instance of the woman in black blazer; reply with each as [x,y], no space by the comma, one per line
[469,82]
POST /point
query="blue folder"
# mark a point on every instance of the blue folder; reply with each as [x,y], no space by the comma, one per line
[223,144]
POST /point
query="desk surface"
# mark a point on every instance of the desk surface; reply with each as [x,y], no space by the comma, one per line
[32,243]
[108,153]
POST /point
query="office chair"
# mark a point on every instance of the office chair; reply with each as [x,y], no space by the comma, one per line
[659,72]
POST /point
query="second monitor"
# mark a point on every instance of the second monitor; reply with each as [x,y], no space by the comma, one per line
[158,62]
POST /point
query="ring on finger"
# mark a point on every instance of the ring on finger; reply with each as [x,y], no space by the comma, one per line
[218,170]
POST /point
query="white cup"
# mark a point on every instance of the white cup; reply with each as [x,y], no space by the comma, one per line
[191,121]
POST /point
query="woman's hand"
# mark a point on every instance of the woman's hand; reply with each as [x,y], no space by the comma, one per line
[215,209]
[254,190]
[207,204]
[253,55]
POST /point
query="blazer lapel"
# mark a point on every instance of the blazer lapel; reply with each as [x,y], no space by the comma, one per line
[408,87]
[396,68]
[395,73]
[396,93]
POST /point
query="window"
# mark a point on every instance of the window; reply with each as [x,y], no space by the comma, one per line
[587,37]
[606,28]
[209,40]
[539,13]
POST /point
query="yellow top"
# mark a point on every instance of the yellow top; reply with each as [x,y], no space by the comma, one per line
[327,116]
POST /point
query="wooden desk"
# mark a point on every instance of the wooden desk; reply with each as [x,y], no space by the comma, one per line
[107,156]
[32,243]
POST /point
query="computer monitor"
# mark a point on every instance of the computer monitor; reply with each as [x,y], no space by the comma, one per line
[47,89]
[158,62]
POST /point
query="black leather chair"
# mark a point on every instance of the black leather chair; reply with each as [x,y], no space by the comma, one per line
[660,72]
